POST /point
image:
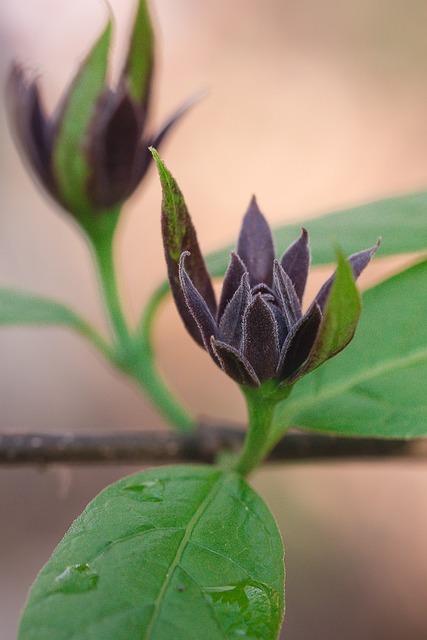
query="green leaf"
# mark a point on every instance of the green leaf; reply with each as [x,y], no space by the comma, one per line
[19,308]
[378,386]
[178,553]
[70,163]
[340,316]
[401,222]
[139,63]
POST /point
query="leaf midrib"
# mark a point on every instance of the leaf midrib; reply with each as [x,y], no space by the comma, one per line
[219,481]
[333,389]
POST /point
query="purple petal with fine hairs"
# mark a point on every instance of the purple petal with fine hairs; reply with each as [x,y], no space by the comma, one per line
[255,246]
[231,323]
[198,308]
[234,364]
[231,283]
[30,123]
[260,338]
[113,138]
[358,262]
[286,295]
[296,262]
[298,344]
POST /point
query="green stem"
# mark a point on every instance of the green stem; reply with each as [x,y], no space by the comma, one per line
[146,372]
[102,237]
[133,352]
[260,416]
[143,370]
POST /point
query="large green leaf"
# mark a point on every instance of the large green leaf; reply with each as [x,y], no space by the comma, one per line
[178,553]
[378,385]
[401,222]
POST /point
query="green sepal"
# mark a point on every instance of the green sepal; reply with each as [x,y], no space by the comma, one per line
[70,161]
[340,316]
[140,58]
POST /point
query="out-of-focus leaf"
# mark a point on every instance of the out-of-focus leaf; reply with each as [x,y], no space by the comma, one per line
[70,163]
[378,385]
[18,308]
[139,61]
[178,552]
[401,222]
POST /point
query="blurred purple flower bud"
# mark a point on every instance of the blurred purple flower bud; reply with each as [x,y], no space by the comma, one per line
[91,153]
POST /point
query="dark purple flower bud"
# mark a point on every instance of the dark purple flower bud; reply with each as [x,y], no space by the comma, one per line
[91,153]
[258,332]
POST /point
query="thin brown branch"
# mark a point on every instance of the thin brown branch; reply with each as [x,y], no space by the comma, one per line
[203,445]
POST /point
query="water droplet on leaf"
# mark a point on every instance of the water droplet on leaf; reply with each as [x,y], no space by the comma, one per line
[77,578]
[246,609]
[149,491]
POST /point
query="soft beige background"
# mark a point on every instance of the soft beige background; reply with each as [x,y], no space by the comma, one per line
[312,106]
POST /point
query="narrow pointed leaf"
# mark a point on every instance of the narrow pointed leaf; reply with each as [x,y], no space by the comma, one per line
[340,316]
[139,63]
[179,235]
[179,552]
[377,387]
[70,162]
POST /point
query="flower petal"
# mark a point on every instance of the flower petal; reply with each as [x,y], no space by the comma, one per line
[234,364]
[260,338]
[298,344]
[232,281]
[286,295]
[113,136]
[31,124]
[358,262]
[255,246]
[296,262]
[231,323]
[198,308]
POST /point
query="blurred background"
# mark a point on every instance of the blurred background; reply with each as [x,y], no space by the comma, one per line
[311,106]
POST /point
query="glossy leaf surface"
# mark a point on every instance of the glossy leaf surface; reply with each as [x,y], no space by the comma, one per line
[401,222]
[378,385]
[181,552]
